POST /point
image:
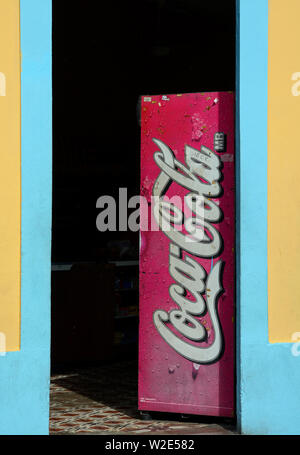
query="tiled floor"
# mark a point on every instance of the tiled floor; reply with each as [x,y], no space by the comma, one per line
[104,400]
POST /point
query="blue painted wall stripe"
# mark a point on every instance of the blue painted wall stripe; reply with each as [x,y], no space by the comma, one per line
[237,211]
[268,393]
[24,375]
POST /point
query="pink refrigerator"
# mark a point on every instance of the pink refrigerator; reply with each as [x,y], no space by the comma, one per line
[187,258]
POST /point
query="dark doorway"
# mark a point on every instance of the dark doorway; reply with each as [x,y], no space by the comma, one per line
[104,59]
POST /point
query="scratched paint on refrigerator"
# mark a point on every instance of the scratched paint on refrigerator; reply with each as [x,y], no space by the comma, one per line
[186,333]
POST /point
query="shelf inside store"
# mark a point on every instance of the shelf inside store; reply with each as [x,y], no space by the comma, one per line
[125,289]
[119,263]
[126,316]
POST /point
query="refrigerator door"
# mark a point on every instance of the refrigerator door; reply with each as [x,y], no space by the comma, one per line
[186,332]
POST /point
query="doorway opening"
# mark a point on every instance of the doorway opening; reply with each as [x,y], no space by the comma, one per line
[103,61]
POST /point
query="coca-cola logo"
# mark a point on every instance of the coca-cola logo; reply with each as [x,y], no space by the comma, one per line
[201,177]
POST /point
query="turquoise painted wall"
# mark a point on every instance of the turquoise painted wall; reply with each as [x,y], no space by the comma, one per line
[24,375]
[268,395]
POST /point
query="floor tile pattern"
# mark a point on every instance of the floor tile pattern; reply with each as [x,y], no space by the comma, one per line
[104,400]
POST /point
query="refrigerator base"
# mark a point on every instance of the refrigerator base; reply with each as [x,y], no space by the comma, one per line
[186,409]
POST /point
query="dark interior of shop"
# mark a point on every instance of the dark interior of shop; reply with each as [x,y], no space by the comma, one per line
[104,59]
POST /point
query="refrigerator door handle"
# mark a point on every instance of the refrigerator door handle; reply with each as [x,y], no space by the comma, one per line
[143,243]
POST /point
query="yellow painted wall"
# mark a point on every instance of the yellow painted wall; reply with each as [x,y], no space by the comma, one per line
[283,170]
[10,175]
